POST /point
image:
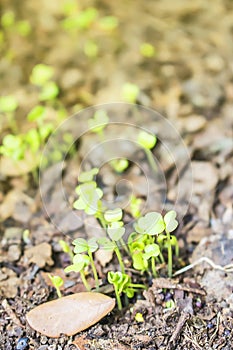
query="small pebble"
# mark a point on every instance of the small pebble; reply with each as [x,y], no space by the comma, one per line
[227,332]
[22,343]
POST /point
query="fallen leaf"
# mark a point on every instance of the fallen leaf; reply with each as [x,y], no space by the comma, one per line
[71,314]
[40,255]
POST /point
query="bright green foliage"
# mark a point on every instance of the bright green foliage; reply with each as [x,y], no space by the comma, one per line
[8,19]
[139,318]
[8,104]
[91,49]
[58,282]
[135,206]
[89,196]
[115,232]
[170,221]
[37,114]
[119,165]
[122,284]
[49,91]
[23,27]
[113,215]
[82,20]
[130,92]
[41,74]
[66,248]
[12,147]
[108,23]
[151,224]
[147,50]
[88,176]
[90,246]
[80,262]
[146,140]
[98,122]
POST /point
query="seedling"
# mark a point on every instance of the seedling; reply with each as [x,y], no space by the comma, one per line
[8,106]
[13,147]
[130,92]
[170,224]
[89,196]
[135,206]
[66,248]
[80,262]
[98,123]
[116,231]
[151,252]
[119,165]
[139,318]
[57,282]
[147,50]
[148,141]
[122,284]
[83,246]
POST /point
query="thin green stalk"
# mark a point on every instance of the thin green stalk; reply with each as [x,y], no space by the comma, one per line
[94,270]
[119,257]
[161,257]
[153,266]
[124,246]
[84,280]
[100,217]
[58,292]
[133,285]
[169,253]
[118,298]
[151,160]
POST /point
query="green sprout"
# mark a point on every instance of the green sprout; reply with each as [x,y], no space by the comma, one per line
[57,282]
[151,224]
[89,196]
[83,246]
[91,49]
[13,147]
[41,74]
[82,20]
[99,122]
[170,224]
[80,262]
[8,105]
[151,252]
[148,141]
[108,23]
[130,92]
[135,206]
[8,19]
[49,91]
[147,50]
[66,248]
[122,284]
[119,165]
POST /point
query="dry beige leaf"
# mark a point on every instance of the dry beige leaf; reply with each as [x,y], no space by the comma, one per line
[71,314]
[40,255]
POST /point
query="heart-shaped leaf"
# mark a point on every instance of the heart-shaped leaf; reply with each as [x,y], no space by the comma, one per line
[106,244]
[170,221]
[88,176]
[116,233]
[113,215]
[151,250]
[151,224]
[81,245]
[146,140]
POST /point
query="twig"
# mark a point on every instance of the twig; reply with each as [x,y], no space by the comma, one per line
[173,284]
[216,329]
[182,320]
[11,313]
[193,342]
[226,268]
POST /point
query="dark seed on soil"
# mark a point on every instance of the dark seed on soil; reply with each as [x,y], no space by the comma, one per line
[22,343]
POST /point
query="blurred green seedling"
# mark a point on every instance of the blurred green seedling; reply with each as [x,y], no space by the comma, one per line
[98,123]
[135,206]
[122,284]
[87,246]
[57,282]
[8,106]
[148,141]
[80,262]
[130,92]
[66,248]
[119,165]
[147,50]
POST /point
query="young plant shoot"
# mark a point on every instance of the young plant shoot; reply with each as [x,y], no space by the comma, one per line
[80,262]
[57,282]
[148,141]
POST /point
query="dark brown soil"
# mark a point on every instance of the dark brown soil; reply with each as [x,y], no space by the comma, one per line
[190,82]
